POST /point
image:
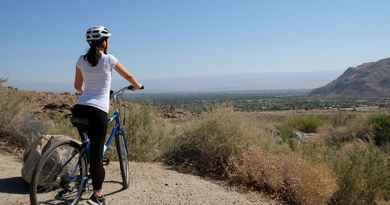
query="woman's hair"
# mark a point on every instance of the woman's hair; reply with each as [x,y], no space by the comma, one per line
[93,55]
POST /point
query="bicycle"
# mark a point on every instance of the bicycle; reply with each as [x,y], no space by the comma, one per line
[56,183]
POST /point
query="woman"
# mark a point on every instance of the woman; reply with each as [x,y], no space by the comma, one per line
[93,81]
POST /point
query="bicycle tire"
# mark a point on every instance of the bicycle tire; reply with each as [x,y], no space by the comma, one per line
[81,162]
[122,151]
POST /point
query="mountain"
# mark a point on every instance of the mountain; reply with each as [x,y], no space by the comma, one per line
[366,80]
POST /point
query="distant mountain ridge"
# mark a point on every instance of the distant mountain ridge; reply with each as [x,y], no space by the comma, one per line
[366,80]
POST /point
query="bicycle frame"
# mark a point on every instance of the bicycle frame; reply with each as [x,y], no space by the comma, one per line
[116,130]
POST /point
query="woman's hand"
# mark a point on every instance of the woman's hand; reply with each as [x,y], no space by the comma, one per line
[137,87]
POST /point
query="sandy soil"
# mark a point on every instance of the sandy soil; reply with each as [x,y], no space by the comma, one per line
[151,183]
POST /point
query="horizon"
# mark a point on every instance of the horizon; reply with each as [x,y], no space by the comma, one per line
[226,83]
[195,41]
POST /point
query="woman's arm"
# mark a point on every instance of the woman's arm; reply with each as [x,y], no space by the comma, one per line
[78,80]
[126,75]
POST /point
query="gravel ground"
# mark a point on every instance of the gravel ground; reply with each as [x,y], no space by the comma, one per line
[151,183]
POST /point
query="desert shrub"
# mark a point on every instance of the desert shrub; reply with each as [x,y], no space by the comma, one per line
[380,125]
[229,145]
[148,134]
[288,176]
[304,123]
[17,125]
[363,175]
[209,142]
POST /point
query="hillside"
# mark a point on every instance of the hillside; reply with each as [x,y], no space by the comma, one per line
[366,80]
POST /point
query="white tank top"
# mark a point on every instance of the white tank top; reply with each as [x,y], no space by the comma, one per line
[97,82]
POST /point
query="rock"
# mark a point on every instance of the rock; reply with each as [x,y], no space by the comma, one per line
[301,136]
[56,106]
[32,156]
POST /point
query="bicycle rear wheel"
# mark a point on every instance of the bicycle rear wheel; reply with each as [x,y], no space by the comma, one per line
[60,175]
[121,147]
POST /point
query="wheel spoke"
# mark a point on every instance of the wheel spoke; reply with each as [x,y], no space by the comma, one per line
[61,172]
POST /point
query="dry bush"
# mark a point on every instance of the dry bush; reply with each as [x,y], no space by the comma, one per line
[148,134]
[209,142]
[17,125]
[288,176]
[356,128]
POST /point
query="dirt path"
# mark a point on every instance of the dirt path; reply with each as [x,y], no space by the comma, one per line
[152,183]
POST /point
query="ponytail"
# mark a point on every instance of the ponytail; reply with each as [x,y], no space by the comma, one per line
[93,55]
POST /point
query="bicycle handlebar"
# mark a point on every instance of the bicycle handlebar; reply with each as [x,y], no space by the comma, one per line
[130,87]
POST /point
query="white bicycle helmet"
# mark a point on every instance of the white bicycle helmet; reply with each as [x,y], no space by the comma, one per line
[96,33]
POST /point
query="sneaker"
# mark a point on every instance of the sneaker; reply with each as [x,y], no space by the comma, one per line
[95,200]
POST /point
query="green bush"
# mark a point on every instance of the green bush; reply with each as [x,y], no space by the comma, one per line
[363,175]
[380,125]
[286,133]
[304,123]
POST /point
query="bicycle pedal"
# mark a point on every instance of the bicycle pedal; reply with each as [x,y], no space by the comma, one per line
[106,161]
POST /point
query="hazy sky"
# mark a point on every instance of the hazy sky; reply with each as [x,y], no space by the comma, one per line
[41,40]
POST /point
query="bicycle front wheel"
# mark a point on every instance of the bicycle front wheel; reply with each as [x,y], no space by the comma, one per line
[60,175]
[121,147]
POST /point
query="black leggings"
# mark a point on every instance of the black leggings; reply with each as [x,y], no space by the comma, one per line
[97,130]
